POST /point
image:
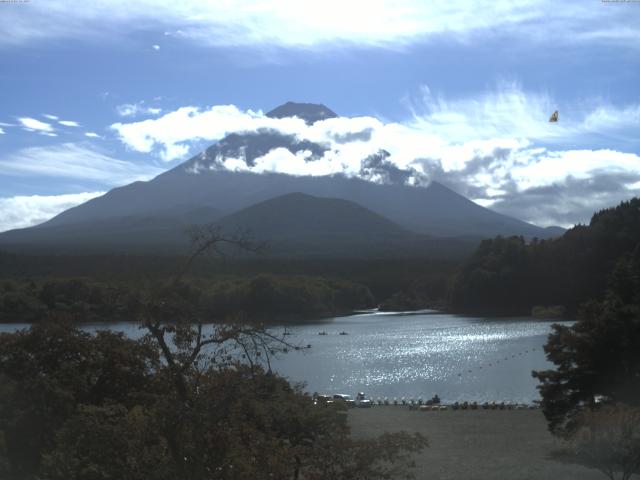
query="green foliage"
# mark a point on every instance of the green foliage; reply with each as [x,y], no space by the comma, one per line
[426,278]
[263,297]
[107,442]
[550,312]
[267,296]
[402,301]
[598,355]
[75,406]
[511,276]
[492,278]
[74,298]
[48,371]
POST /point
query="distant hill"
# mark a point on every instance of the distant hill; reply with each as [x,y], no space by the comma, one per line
[199,191]
[433,210]
[292,225]
[301,224]
[298,215]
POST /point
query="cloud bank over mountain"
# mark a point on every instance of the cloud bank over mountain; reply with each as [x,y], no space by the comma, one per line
[171,78]
[497,148]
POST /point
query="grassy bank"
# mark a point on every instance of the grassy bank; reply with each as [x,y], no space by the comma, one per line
[475,444]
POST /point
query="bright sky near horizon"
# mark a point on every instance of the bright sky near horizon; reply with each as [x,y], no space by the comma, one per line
[98,94]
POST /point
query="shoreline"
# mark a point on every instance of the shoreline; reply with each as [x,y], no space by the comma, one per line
[293,320]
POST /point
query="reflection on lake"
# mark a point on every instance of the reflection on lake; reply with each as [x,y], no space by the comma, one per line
[418,355]
[412,355]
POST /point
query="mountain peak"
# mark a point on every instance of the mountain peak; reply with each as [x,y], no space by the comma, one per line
[309,112]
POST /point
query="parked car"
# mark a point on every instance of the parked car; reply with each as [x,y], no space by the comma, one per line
[342,397]
[322,399]
[362,401]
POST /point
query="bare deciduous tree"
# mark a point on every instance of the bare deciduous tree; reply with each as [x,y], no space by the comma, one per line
[188,345]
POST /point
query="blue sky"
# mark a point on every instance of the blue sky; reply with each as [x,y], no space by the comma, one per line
[102,93]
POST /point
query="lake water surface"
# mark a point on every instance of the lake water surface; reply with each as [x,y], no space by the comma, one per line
[411,355]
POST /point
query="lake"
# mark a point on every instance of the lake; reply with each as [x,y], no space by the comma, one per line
[411,355]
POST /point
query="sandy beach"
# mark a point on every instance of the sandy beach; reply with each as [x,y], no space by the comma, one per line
[475,444]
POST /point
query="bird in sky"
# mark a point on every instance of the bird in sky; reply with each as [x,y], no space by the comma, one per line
[554,116]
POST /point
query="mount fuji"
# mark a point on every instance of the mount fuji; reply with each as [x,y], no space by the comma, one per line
[319,215]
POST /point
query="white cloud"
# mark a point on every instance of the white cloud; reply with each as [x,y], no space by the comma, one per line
[490,147]
[92,135]
[156,47]
[136,109]
[452,131]
[31,124]
[386,23]
[510,112]
[71,160]
[175,130]
[1,131]
[25,211]
[532,169]
[69,123]
[49,116]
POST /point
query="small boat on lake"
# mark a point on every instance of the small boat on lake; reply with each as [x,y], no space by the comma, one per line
[322,333]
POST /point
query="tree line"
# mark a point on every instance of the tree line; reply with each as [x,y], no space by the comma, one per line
[266,298]
[511,276]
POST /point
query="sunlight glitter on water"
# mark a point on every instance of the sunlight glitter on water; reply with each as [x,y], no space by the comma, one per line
[411,355]
[418,355]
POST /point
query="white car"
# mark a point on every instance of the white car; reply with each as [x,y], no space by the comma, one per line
[342,397]
[362,401]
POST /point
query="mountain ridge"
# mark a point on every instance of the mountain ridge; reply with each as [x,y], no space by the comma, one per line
[201,184]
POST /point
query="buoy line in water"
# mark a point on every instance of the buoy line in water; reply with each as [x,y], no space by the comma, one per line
[499,361]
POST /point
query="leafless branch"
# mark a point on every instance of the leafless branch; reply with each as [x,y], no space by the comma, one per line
[212,239]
